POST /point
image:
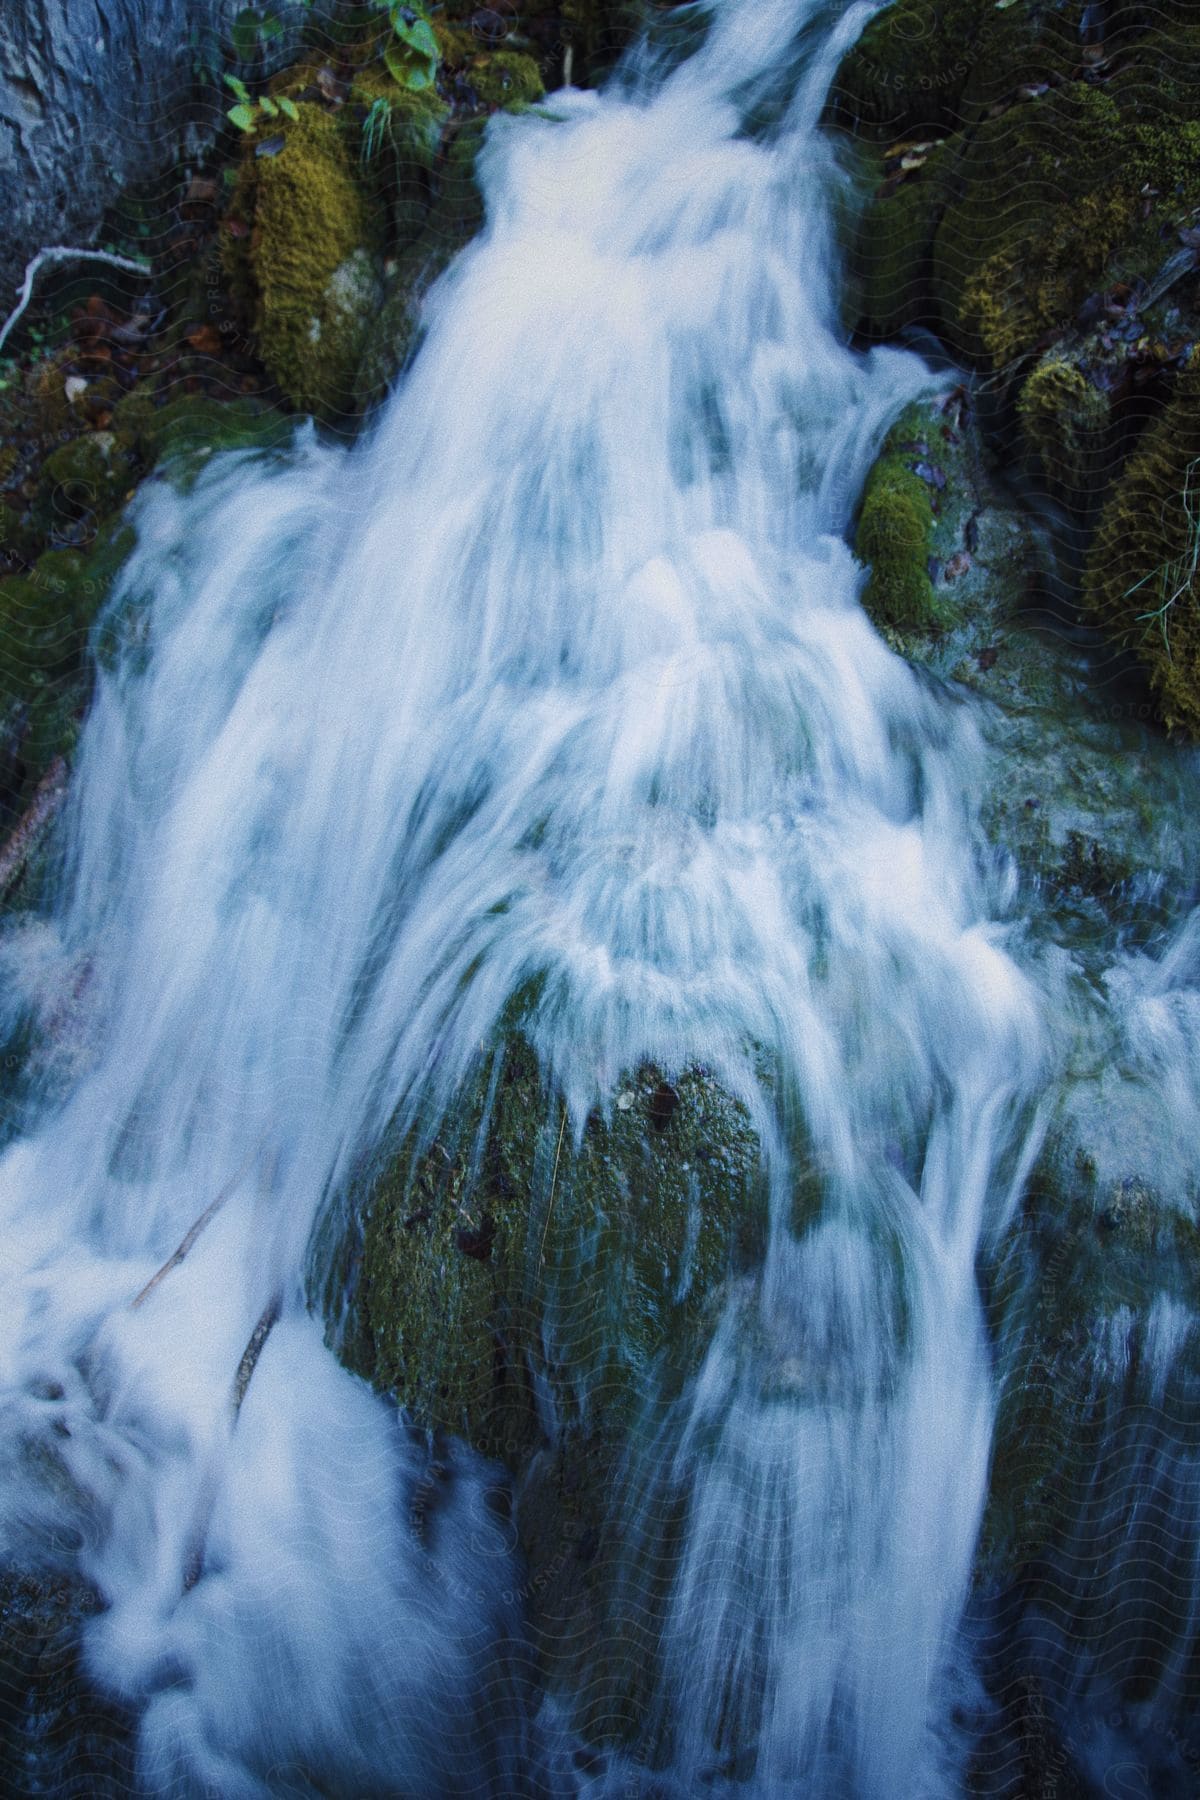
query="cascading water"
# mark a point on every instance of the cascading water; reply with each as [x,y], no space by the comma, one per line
[557,685]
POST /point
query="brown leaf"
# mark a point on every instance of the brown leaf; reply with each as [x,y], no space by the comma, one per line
[958,565]
[205,339]
[987,658]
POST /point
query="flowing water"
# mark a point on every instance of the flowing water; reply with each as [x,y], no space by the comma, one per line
[558,685]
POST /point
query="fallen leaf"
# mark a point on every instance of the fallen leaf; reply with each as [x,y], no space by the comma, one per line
[205,339]
[958,565]
[987,658]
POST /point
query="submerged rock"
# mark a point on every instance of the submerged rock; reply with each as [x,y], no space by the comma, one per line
[512,1283]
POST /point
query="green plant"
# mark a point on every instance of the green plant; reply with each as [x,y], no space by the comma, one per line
[249,113]
[375,125]
[412,56]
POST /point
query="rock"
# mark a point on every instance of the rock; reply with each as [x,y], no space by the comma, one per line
[486,1273]
[62,1735]
[93,98]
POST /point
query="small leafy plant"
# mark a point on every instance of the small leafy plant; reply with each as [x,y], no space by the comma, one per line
[412,56]
[249,113]
[375,126]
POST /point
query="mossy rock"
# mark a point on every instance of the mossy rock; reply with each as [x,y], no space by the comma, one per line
[45,617]
[1076,1298]
[456,214]
[1065,420]
[501,1256]
[1054,194]
[894,538]
[306,272]
[84,480]
[506,79]
[1140,584]
[890,254]
[934,64]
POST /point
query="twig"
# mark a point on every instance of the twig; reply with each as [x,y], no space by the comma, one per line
[253,1351]
[48,797]
[197,1538]
[553,1184]
[55,253]
[177,1255]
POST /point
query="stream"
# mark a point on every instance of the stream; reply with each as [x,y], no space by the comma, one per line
[556,686]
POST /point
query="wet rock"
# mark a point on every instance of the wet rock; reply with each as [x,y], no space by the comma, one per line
[501,1260]
[58,1733]
[92,99]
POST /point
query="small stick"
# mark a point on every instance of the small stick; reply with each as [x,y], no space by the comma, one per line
[62,253]
[193,1562]
[553,1184]
[253,1351]
[176,1257]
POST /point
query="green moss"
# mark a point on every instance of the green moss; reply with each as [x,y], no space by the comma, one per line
[506,79]
[1051,192]
[306,270]
[45,617]
[504,1254]
[936,63]
[894,538]
[1140,583]
[86,478]
[888,285]
[1064,417]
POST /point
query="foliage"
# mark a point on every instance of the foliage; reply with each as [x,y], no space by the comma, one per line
[375,127]
[412,55]
[248,114]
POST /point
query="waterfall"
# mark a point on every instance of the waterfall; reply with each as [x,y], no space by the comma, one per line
[557,683]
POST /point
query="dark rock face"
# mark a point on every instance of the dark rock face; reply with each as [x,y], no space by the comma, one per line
[95,94]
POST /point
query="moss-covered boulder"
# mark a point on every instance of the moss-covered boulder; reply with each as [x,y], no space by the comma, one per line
[502,1259]
[1141,583]
[300,247]
[1055,194]
[897,521]
[924,64]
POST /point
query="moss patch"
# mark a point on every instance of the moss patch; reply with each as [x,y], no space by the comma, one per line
[1065,418]
[306,269]
[894,538]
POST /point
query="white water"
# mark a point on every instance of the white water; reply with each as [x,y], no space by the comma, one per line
[562,673]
